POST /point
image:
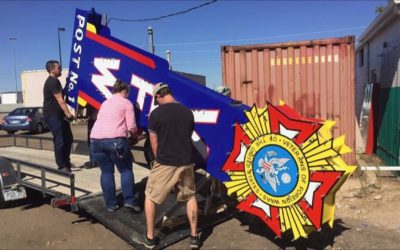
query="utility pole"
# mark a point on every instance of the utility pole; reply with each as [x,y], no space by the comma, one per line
[168,52]
[151,43]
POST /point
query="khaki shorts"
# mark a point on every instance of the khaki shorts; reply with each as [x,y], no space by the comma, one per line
[163,178]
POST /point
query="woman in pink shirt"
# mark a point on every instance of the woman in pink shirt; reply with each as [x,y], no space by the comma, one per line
[110,146]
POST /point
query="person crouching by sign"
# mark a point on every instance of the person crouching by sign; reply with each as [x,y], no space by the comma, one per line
[170,129]
[110,146]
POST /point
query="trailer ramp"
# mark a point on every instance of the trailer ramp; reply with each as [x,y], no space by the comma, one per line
[171,219]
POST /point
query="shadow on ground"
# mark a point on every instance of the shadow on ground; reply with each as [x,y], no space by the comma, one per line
[36,199]
[316,240]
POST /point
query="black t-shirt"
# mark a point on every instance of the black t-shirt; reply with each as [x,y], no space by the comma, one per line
[50,105]
[173,123]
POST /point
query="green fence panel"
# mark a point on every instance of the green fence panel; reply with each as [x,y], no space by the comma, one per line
[388,141]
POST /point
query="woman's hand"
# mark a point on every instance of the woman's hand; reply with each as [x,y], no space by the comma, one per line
[133,138]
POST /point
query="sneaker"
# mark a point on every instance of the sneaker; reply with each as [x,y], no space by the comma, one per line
[133,208]
[89,165]
[112,209]
[195,242]
[65,169]
[149,243]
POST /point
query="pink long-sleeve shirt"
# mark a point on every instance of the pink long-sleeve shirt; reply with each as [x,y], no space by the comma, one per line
[115,118]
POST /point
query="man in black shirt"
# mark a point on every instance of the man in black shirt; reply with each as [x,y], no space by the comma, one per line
[170,129]
[56,114]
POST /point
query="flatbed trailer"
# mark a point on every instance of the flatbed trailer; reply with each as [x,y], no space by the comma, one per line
[35,168]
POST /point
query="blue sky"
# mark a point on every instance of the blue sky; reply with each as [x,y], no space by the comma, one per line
[194,38]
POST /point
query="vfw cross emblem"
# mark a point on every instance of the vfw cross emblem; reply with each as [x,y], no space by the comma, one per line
[286,169]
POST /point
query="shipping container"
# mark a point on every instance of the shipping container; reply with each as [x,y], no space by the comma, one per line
[315,77]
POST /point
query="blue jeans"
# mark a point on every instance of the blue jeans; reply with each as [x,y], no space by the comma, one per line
[110,152]
[62,140]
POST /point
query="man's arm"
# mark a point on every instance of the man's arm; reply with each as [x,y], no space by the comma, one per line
[153,142]
[63,105]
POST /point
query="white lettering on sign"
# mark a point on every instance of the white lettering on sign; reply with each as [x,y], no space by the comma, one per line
[105,78]
[81,20]
[195,136]
[144,88]
[78,35]
[73,80]
[77,50]
[76,56]
[207,116]
[203,116]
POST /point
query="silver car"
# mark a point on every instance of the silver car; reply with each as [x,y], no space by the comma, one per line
[30,119]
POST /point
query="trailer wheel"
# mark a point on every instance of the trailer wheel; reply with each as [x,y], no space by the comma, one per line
[148,152]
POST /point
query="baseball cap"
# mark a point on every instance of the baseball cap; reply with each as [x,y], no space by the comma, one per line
[159,86]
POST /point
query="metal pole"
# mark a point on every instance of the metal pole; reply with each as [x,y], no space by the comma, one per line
[104,20]
[15,68]
[43,176]
[168,52]
[151,44]
[59,44]
[18,172]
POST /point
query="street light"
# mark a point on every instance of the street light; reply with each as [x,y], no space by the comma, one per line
[15,67]
[59,43]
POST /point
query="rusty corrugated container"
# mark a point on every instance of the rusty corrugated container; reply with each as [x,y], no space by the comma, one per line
[315,77]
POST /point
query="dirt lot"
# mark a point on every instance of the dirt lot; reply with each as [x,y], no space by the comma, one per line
[367,217]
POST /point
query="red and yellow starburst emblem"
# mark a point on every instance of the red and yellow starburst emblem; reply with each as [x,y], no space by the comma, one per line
[286,169]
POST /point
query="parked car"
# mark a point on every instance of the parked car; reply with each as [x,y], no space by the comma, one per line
[29,118]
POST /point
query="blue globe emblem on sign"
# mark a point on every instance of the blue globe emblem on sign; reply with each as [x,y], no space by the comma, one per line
[275,170]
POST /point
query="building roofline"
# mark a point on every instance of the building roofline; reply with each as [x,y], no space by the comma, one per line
[391,11]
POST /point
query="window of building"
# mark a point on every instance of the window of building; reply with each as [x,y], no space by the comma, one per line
[361,58]
[373,76]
